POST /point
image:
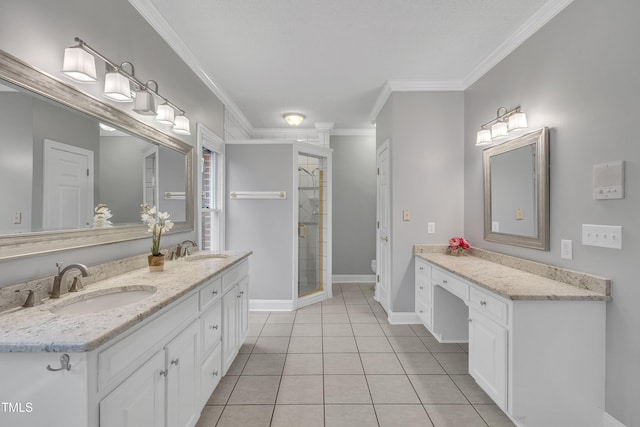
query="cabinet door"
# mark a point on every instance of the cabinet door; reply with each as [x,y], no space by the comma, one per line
[488,356]
[230,327]
[183,378]
[243,312]
[139,400]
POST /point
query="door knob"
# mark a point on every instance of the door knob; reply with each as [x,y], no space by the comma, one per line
[385,238]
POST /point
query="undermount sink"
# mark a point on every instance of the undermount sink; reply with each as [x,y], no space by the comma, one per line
[200,256]
[105,299]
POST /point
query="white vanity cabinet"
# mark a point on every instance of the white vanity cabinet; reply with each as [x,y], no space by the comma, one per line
[424,292]
[235,313]
[541,358]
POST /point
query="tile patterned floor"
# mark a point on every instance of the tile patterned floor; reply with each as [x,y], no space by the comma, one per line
[340,364]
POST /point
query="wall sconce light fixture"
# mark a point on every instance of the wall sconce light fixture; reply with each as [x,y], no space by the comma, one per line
[79,65]
[293,119]
[506,121]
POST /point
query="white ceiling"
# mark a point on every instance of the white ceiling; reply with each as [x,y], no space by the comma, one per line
[329,59]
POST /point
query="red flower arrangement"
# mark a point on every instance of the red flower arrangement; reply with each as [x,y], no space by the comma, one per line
[458,245]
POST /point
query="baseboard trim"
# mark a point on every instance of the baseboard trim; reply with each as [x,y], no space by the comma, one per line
[270,305]
[609,421]
[403,318]
[353,278]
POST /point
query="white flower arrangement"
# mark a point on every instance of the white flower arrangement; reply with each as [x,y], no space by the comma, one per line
[158,223]
[101,216]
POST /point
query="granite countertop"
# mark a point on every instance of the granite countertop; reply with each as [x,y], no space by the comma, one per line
[38,329]
[517,284]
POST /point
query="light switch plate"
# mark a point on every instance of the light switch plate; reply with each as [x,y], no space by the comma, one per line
[406,215]
[566,249]
[431,227]
[608,180]
[606,236]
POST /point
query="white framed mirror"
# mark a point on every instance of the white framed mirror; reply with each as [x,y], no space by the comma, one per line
[58,164]
[516,191]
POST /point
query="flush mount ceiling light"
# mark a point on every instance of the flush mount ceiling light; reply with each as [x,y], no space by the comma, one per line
[293,119]
[506,121]
[106,128]
[79,65]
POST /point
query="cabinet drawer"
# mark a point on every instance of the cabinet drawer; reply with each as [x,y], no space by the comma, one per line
[424,313]
[211,327]
[210,373]
[211,292]
[423,292]
[234,275]
[488,304]
[119,360]
[422,268]
[450,283]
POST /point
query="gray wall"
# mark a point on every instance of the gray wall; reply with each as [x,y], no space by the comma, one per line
[263,226]
[38,31]
[578,75]
[16,164]
[354,204]
[121,168]
[426,140]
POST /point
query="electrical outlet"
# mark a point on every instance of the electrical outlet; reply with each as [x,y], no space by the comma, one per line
[17,218]
[431,227]
[519,214]
[406,215]
[495,226]
[566,249]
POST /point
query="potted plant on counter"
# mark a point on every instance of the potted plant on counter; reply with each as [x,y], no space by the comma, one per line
[158,223]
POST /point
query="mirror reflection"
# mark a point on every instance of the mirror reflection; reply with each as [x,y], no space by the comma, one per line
[513,192]
[58,165]
[516,191]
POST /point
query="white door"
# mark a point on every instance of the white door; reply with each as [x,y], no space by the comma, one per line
[383,249]
[68,186]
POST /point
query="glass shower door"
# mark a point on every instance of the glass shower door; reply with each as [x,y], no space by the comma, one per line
[310,217]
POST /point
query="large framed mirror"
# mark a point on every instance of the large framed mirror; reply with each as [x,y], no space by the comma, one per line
[64,152]
[516,191]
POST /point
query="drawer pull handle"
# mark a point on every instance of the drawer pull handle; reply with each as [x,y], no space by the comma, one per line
[212,327]
[470,321]
[444,281]
[175,362]
[215,292]
[163,373]
[214,373]
[421,268]
[483,302]
[241,292]
[421,311]
[239,296]
[421,287]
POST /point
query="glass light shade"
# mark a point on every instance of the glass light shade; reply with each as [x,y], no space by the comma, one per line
[79,65]
[145,103]
[116,87]
[294,119]
[484,137]
[517,121]
[499,129]
[182,125]
[165,114]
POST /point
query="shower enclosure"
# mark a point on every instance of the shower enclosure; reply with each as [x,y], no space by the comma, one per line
[311,225]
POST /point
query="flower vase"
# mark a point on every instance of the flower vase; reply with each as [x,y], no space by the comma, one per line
[156,263]
[455,253]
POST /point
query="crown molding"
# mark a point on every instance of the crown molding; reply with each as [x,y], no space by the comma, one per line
[353,132]
[391,86]
[533,24]
[284,131]
[547,12]
[151,14]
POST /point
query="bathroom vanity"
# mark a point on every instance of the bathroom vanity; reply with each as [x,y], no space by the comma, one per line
[152,362]
[536,344]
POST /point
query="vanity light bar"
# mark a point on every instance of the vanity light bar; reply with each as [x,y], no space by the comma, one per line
[71,63]
[505,122]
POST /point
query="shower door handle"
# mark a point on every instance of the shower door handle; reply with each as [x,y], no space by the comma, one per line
[302,230]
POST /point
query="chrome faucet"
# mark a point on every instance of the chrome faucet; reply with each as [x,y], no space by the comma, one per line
[183,250]
[57,281]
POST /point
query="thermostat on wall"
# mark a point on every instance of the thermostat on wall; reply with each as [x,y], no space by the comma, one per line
[608,180]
